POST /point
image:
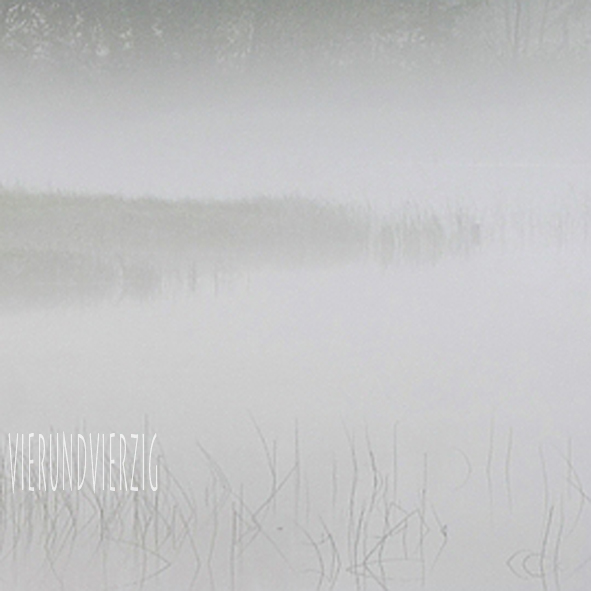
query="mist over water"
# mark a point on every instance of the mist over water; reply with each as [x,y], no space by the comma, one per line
[464,381]
[378,139]
[340,270]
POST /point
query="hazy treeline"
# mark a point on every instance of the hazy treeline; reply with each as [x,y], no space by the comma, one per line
[121,34]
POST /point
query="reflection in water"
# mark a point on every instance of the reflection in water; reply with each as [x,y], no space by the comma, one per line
[31,278]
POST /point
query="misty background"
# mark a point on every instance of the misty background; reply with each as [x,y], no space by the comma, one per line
[335,253]
[374,102]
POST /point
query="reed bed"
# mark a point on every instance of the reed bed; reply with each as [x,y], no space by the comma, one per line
[366,523]
[58,248]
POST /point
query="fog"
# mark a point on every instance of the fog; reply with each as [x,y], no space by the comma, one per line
[465,382]
[341,271]
[367,140]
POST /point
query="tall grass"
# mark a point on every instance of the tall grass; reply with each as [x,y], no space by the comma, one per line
[362,522]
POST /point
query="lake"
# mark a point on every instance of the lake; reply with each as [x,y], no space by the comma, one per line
[343,399]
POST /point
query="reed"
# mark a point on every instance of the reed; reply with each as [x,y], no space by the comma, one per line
[378,528]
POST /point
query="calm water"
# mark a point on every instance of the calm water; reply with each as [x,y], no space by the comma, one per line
[393,419]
